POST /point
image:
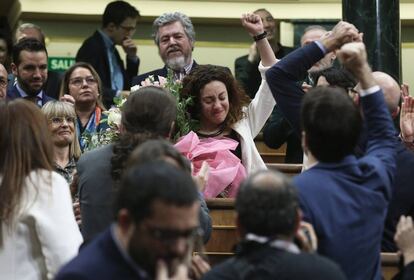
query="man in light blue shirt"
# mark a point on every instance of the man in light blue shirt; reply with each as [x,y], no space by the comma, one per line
[118,26]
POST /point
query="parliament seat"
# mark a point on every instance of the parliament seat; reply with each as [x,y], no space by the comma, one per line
[224,235]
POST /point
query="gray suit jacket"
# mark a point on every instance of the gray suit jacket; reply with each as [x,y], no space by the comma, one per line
[96,194]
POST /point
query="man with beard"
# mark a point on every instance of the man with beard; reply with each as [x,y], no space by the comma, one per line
[175,36]
[30,30]
[156,222]
[29,66]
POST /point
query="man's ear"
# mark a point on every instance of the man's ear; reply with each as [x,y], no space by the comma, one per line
[110,27]
[395,113]
[299,216]
[304,142]
[14,69]
[333,56]
[124,220]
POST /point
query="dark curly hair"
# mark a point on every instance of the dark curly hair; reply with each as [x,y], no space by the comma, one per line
[147,114]
[204,74]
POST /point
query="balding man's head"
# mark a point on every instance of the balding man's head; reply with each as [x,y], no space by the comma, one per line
[391,89]
[3,81]
[267,205]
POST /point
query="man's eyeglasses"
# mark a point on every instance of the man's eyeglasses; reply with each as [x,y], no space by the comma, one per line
[167,235]
[128,28]
[78,82]
[61,120]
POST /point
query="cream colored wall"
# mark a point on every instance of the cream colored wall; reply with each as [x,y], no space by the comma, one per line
[209,50]
[204,53]
[407,59]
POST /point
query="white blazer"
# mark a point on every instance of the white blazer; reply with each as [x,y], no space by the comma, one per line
[44,235]
[257,113]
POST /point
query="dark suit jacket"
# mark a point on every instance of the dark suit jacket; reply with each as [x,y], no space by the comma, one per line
[345,201]
[52,87]
[267,263]
[101,259]
[13,93]
[402,202]
[94,52]
[277,131]
[163,72]
[247,73]
[96,194]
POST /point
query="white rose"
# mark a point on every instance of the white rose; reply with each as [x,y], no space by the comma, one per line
[114,117]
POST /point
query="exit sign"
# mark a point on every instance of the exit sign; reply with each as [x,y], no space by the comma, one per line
[60,64]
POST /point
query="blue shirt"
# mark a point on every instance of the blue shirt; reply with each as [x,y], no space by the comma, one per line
[115,69]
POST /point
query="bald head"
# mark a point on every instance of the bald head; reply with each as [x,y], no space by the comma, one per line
[312,33]
[267,205]
[391,89]
[3,81]
[29,30]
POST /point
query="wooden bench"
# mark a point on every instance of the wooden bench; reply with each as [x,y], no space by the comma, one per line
[286,168]
[224,236]
[270,155]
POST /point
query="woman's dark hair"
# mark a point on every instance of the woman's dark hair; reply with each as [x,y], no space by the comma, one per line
[204,74]
[25,147]
[148,113]
[64,87]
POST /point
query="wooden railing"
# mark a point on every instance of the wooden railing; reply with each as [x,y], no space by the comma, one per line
[224,236]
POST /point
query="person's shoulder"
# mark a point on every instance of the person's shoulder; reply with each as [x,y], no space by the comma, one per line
[91,258]
[93,43]
[93,39]
[99,154]
[222,271]
[12,92]
[317,267]
[157,72]
[241,58]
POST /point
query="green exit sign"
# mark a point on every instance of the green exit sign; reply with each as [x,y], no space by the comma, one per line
[60,63]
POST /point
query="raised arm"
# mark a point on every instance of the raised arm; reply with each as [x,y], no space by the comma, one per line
[284,76]
[254,26]
[381,134]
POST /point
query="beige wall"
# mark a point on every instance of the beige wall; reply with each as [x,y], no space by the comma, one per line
[219,40]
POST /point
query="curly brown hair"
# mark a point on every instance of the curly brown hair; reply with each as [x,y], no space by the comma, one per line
[204,74]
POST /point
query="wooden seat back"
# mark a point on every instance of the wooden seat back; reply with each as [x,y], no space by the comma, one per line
[224,235]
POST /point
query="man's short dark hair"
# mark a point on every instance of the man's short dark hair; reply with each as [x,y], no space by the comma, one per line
[267,204]
[30,45]
[142,184]
[117,11]
[332,123]
[339,77]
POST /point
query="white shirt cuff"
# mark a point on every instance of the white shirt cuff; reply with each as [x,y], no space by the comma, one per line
[369,91]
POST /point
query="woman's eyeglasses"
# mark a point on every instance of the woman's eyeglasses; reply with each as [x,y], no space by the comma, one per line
[78,82]
[61,120]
